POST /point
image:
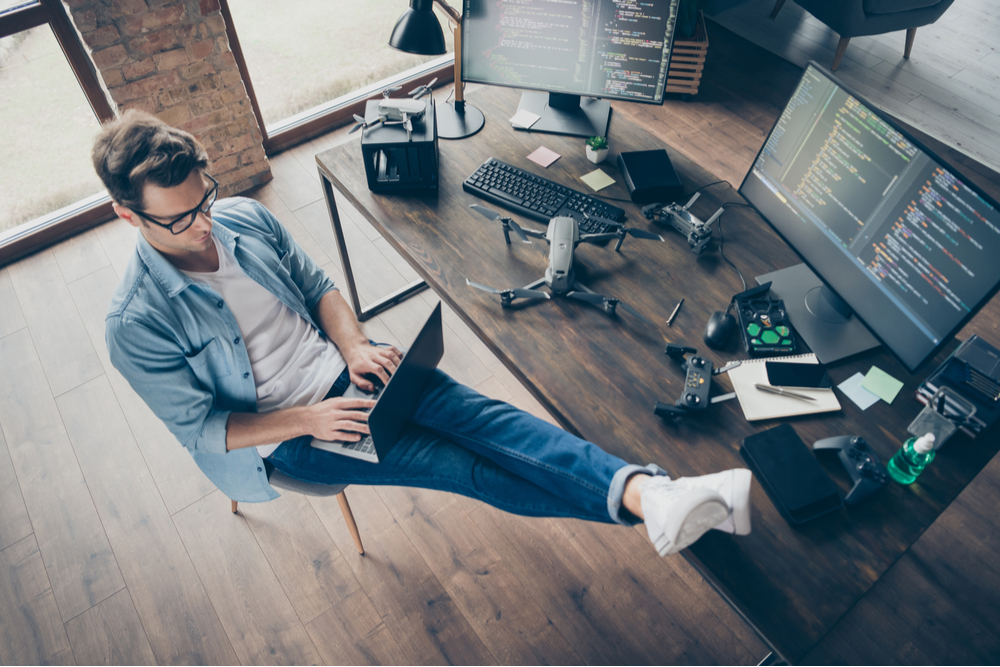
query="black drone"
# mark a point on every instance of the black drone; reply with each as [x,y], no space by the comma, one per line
[562,235]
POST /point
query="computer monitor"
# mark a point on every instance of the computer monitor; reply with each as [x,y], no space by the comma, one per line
[568,49]
[889,232]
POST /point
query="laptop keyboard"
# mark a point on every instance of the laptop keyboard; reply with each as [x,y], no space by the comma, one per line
[365,445]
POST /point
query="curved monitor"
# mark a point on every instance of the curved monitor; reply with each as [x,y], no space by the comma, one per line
[610,49]
[908,246]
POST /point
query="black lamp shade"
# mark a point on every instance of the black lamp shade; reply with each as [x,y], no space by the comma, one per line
[418,30]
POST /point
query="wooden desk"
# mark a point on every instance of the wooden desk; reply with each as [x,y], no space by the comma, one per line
[600,376]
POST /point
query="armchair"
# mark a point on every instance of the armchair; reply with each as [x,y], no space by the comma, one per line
[854,18]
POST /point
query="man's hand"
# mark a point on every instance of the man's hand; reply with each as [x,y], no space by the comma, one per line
[368,360]
[340,419]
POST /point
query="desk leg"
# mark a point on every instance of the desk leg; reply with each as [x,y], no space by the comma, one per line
[382,304]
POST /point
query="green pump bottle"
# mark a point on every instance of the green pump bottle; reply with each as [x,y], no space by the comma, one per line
[911,459]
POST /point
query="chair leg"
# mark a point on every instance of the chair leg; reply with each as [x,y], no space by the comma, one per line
[234,506]
[777,8]
[911,33]
[351,525]
[841,47]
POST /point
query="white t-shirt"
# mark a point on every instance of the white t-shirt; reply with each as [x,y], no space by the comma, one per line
[292,363]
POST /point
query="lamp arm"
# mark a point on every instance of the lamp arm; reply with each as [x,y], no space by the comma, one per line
[456,21]
[453,16]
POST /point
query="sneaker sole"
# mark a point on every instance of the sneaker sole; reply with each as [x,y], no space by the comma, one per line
[741,490]
[699,521]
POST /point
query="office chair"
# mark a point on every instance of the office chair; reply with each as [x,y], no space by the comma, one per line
[280,480]
[854,18]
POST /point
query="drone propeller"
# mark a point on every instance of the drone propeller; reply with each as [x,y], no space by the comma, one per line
[389,91]
[508,223]
[420,91]
[516,293]
[362,123]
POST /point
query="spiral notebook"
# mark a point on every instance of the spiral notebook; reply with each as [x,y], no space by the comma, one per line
[759,404]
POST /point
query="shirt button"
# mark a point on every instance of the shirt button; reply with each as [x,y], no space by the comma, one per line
[246,375]
[219,304]
[260,470]
[236,340]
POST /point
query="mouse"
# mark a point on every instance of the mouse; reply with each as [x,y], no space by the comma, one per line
[720,326]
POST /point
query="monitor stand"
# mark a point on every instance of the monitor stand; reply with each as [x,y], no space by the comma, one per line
[566,114]
[825,322]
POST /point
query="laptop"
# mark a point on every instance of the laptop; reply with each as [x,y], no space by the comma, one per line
[396,401]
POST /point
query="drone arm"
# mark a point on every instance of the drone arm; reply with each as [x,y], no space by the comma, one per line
[535,233]
[598,238]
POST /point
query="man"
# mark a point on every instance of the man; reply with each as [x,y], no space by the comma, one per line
[243,347]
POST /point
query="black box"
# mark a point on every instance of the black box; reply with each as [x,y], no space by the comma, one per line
[394,162]
[650,177]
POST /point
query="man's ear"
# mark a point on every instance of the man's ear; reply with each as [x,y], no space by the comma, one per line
[126,214]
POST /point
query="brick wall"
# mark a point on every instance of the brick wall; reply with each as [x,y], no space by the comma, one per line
[172,59]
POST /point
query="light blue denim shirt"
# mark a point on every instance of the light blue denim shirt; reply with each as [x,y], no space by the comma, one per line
[179,346]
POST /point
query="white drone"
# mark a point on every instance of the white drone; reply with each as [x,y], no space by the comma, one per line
[562,235]
[397,111]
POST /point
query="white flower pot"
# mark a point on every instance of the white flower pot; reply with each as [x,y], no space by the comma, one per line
[596,156]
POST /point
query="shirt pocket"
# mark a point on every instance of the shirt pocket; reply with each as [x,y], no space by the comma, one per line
[210,363]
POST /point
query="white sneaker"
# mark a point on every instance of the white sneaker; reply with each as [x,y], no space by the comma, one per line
[676,515]
[734,487]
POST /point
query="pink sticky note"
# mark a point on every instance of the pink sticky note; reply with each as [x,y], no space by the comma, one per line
[544,156]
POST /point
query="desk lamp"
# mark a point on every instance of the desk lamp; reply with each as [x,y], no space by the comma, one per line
[418,31]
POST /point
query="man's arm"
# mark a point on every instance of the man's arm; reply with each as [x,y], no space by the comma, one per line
[333,419]
[338,322]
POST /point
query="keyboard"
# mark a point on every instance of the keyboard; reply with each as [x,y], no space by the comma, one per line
[539,198]
[366,445]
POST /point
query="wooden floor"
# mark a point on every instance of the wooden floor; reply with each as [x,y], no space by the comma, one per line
[949,86]
[115,549]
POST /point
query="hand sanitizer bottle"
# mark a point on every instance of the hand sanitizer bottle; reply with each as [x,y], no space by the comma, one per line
[911,459]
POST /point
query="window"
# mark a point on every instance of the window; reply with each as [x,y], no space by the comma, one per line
[300,55]
[49,128]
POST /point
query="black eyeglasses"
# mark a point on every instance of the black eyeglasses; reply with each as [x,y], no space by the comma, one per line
[180,224]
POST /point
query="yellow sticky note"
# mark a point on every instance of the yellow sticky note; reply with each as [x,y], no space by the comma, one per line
[597,179]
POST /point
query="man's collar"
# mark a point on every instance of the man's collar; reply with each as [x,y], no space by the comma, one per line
[169,277]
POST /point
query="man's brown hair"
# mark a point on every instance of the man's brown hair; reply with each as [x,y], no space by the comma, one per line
[137,149]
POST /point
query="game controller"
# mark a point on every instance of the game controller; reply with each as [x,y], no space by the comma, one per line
[860,461]
[697,383]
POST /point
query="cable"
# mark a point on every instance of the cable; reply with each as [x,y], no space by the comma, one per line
[722,241]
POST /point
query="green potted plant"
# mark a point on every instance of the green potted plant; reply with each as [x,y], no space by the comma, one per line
[597,149]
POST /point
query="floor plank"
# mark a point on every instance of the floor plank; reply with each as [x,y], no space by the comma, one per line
[78,558]
[32,631]
[11,317]
[15,524]
[352,633]
[80,255]
[170,603]
[259,620]
[421,616]
[110,633]
[58,334]
[306,560]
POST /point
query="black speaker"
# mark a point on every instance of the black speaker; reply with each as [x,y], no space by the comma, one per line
[650,177]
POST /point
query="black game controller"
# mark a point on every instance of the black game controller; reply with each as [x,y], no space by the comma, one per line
[697,383]
[861,463]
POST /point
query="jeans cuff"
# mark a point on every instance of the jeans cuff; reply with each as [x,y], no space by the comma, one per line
[617,491]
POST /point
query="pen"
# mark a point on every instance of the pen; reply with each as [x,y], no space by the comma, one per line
[670,320]
[778,390]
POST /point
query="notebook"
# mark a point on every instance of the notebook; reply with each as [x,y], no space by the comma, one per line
[759,404]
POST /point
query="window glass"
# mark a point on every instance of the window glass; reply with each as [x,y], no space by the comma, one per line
[48,129]
[304,53]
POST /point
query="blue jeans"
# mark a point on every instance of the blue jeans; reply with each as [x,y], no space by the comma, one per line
[461,441]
